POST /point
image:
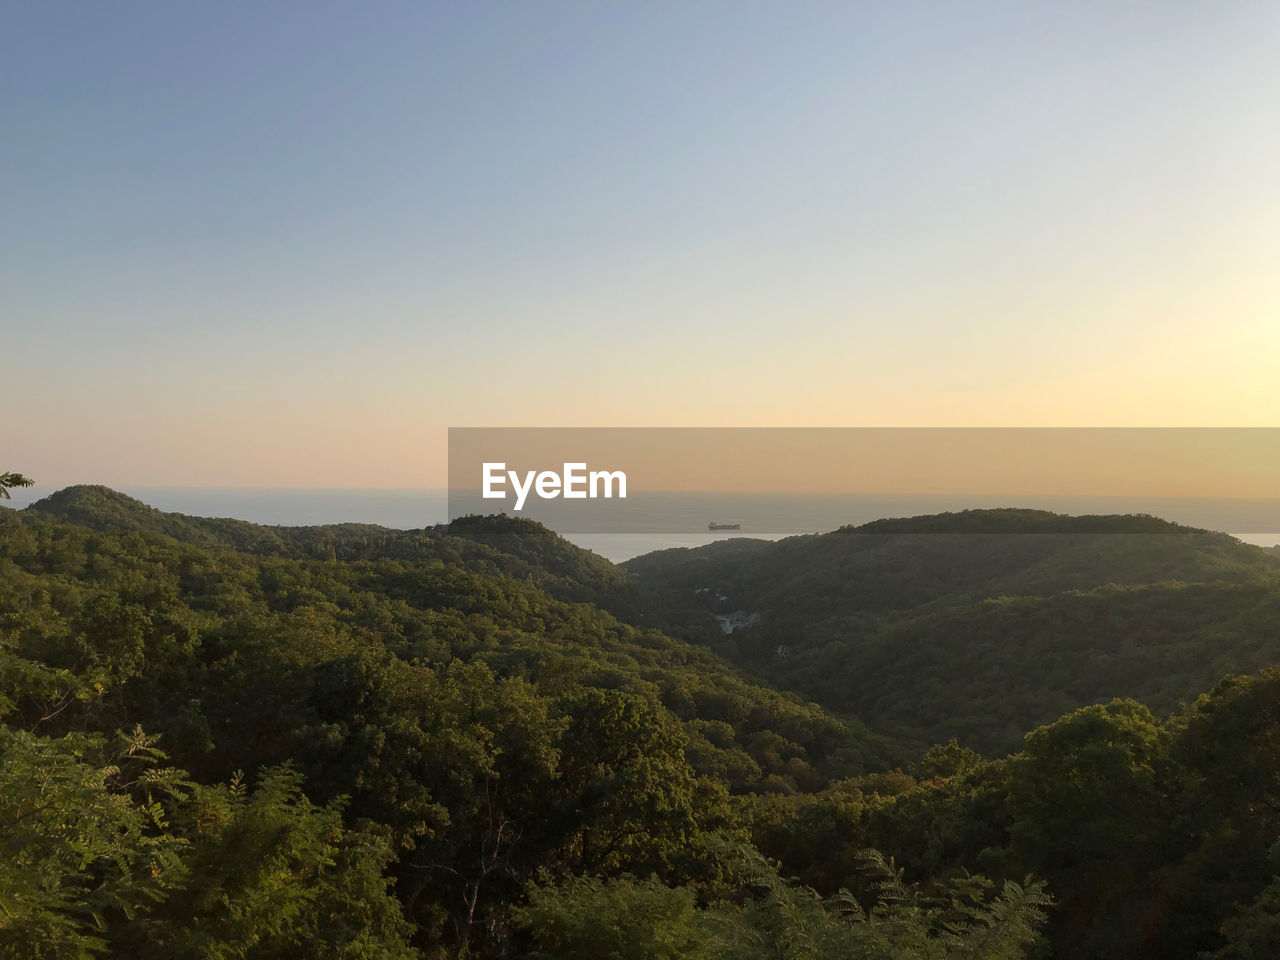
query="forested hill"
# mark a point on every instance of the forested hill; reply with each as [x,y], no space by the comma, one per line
[219,739]
[495,545]
[424,676]
[486,589]
[983,624]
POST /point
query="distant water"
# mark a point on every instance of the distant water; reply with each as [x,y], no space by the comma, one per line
[415,509]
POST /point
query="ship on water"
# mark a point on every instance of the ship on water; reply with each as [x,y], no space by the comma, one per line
[724,526]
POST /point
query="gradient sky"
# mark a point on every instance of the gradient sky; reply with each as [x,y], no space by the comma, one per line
[291,243]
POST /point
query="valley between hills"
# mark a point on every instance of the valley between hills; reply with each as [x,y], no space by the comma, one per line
[998,733]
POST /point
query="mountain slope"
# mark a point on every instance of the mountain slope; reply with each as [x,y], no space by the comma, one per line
[489,595]
[422,682]
[975,631]
[385,737]
[497,545]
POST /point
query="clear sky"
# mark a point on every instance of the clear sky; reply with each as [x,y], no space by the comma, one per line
[291,243]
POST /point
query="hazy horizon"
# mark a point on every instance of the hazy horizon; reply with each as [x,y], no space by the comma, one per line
[416,509]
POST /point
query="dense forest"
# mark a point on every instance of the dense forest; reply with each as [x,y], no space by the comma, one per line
[999,735]
[979,625]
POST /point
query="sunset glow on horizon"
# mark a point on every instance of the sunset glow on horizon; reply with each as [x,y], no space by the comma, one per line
[293,245]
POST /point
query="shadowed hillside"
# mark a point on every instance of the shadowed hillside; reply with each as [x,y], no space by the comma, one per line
[982,624]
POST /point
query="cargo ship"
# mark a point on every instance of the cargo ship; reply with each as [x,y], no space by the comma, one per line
[724,526]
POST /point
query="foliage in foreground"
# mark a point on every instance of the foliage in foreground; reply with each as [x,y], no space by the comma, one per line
[106,851]
[587,918]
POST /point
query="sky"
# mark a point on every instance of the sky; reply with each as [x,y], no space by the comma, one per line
[290,244]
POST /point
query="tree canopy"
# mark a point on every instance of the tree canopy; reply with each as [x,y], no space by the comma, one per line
[225,740]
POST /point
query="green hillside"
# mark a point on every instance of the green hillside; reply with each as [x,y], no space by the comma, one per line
[498,545]
[219,739]
[979,625]
[424,680]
